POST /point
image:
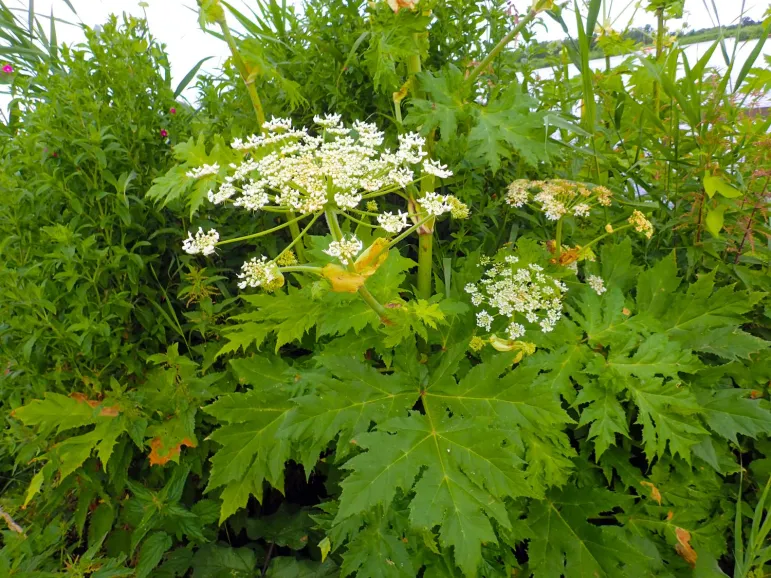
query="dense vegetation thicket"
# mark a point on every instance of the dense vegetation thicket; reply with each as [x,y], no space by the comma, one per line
[383,302]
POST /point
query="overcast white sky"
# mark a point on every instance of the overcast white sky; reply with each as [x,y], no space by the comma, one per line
[174,23]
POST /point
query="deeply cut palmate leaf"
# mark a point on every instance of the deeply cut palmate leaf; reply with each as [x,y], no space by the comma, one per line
[564,542]
[463,456]
[251,451]
[459,472]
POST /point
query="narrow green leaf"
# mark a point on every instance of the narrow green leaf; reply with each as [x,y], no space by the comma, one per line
[753,56]
[189,76]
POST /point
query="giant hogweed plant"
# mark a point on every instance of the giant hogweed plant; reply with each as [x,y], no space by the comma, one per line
[449,452]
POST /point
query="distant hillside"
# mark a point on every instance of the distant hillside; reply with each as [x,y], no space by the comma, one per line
[539,54]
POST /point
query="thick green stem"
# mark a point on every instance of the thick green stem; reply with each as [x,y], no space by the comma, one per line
[426,237]
[243,71]
[558,240]
[425,264]
[659,50]
[500,46]
[370,300]
[248,79]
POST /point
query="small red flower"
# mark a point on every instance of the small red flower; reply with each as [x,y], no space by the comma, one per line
[173,110]
[164,133]
[8,69]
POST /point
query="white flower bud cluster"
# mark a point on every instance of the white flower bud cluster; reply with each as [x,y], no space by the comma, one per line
[558,197]
[596,283]
[435,204]
[202,243]
[205,170]
[519,293]
[391,223]
[260,272]
[345,249]
[436,168]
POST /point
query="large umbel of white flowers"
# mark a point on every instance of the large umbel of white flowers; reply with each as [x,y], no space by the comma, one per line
[337,168]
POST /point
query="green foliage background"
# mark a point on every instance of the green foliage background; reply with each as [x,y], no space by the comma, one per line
[159,423]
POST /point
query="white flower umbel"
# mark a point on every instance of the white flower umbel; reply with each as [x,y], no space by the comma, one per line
[254,196]
[328,120]
[517,194]
[518,293]
[596,283]
[345,249]
[641,224]
[411,148]
[558,197]
[393,223]
[552,207]
[306,173]
[226,191]
[347,200]
[259,272]
[202,243]
[484,320]
[435,204]
[436,168]
[581,210]
[276,124]
[203,171]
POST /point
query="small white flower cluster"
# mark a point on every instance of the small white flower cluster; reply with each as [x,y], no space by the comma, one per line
[298,171]
[435,204]
[391,223]
[202,243]
[558,197]
[596,282]
[345,249]
[205,170]
[436,168]
[260,273]
[519,293]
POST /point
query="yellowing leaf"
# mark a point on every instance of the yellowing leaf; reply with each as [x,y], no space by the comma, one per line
[342,280]
[325,546]
[372,257]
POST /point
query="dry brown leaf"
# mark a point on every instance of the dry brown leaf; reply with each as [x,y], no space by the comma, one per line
[159,455]
[655,494]
[683,547]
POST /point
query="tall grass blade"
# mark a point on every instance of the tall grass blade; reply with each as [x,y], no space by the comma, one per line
[752,57]
[591,17]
